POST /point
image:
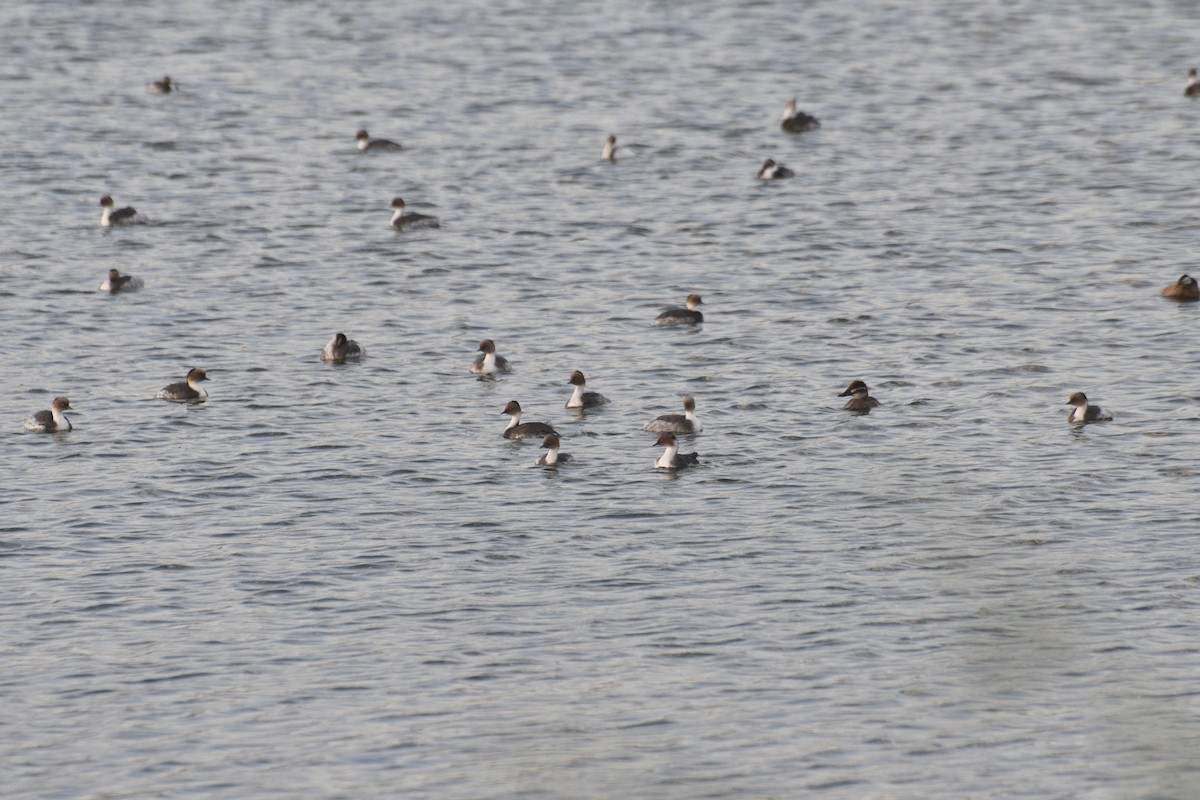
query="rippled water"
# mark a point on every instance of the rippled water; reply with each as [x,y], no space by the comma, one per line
[340,581]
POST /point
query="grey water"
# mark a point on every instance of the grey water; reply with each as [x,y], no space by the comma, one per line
[340,581]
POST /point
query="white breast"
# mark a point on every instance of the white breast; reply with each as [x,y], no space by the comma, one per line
[667,459]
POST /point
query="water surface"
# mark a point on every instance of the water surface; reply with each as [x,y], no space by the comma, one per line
[340,581]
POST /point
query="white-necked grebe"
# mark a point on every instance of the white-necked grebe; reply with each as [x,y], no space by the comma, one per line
[794,121]
[1082,412]
[404,221]
[487,362]
[340,349]
[524,430]
[116,282]
[671,457]
[770,171]
[552,457]
[677,423]
[52,421]
[609,153]
[188,390]
[121,216]
[581,399]
[368,145]
[690,315]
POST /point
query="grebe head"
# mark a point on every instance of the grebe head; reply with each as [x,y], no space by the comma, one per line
[1077,399]
[577,378]
[398,203]
[487,346]
[106,202]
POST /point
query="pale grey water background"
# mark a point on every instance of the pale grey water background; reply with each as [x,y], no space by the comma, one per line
[340,582]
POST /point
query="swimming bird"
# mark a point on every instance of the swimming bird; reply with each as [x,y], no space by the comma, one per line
[161,87]
[552,457]
[671,457]
[677,423]
[488,362]
[116,282]
[403,221]
[51,421]
[609,153]
[1082,412]
[794,121]
[340,348]
[188,390]
[860,399]
[770,171]
[581,399]
[1185,289]
[690,315]
[124,216]
[1193,86]
[524,430]
[368,145]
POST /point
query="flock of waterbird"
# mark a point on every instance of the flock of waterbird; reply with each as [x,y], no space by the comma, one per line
[488,364]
